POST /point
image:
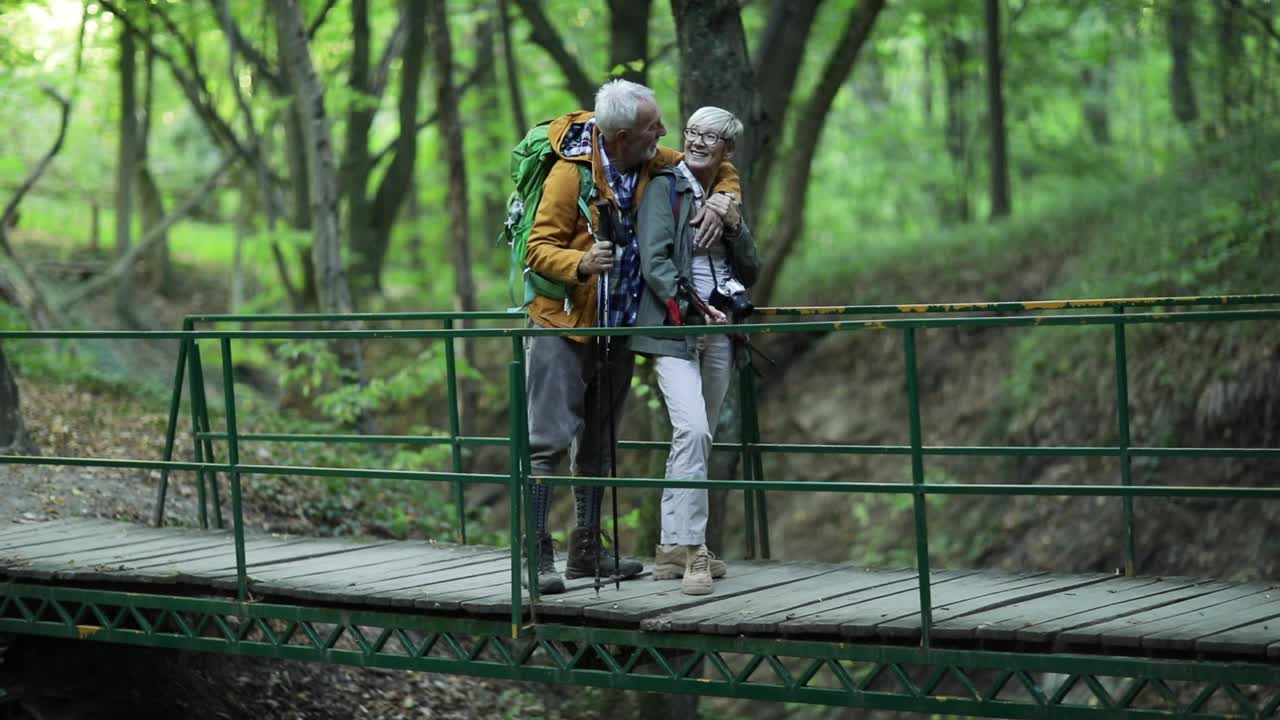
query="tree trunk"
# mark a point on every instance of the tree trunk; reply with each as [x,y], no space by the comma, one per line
[25,290]
[14,439]
[95,227]
[126,166]
[1001,200]
[513,72]
[812,119]
[151,201]
[926,83]
[955,58]
[354,172]
[629,39]
[545,36]
[1230,63]
[1182,94]
[259,149]
[413,216]
[1096,84]
[715,70]
[241,227]
[398,179]
[871,86]
[299,211]
[333,293]
[779,55]
[494,172]
[454,158]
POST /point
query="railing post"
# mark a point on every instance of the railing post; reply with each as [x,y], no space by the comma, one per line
[521,441]
[1122,422]
[751,453]
[455,429]
[233,459]
[202,420]
[748,496]
[917,481]
[515,378]
[196,377]
[175,401]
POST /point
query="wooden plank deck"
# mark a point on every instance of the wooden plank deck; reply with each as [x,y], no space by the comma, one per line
[1169,616]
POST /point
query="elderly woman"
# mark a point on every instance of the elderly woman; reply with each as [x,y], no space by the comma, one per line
[693,371]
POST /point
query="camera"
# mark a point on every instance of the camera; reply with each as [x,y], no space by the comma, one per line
[731,299]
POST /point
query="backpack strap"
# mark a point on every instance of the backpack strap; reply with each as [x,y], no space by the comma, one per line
[675,202]
[586,193]
[536,284]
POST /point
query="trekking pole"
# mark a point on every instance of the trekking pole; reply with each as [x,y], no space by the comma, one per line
[606,385]
[601,343]
[613,461]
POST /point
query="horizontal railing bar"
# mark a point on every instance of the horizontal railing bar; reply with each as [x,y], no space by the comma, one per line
[781,448]
[1203,452]
[464,440]
[304,470]
[1026,305]
[925,489]
[111,463]
[474,478]
[1009,451]
[998,306]
[795,327]
[899,450]
[934,450]
[359,317]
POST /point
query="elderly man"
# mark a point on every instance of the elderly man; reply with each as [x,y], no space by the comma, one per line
[619,143]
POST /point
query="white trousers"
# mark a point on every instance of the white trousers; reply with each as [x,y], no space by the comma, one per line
[693,391]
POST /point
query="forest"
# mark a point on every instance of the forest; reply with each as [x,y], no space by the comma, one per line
[167,158]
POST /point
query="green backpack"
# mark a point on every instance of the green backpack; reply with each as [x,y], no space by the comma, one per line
[531,161]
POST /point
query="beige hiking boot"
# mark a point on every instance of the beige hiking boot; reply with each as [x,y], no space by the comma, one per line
[669,562]
[697,573]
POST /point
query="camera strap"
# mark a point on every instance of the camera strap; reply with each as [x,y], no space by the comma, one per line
[693,183]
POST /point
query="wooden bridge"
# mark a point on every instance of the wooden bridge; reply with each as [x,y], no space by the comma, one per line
[944,641]
[1093,613]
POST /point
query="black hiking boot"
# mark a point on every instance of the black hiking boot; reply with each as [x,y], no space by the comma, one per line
[550,582]
[587,553]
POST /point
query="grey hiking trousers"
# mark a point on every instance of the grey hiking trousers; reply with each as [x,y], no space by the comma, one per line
[566,415]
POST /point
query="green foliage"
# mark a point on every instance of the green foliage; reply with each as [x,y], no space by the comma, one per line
[70,362]
[314,371]
[381,507]
[1204,229]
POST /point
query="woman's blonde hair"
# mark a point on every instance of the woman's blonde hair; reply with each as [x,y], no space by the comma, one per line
[717,120]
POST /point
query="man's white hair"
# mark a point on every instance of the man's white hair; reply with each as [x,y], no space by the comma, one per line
[617,105]
[717,120]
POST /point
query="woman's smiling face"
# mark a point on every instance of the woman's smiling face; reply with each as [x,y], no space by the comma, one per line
[704,149]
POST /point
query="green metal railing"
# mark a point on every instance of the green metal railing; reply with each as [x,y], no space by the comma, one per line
[203,435]
[907,320]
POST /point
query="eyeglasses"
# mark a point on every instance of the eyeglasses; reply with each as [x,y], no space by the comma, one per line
[709,138]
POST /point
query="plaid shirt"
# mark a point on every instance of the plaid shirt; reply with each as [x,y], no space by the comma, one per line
[626,284]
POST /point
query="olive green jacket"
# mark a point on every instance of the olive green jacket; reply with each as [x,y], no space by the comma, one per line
[666,257]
